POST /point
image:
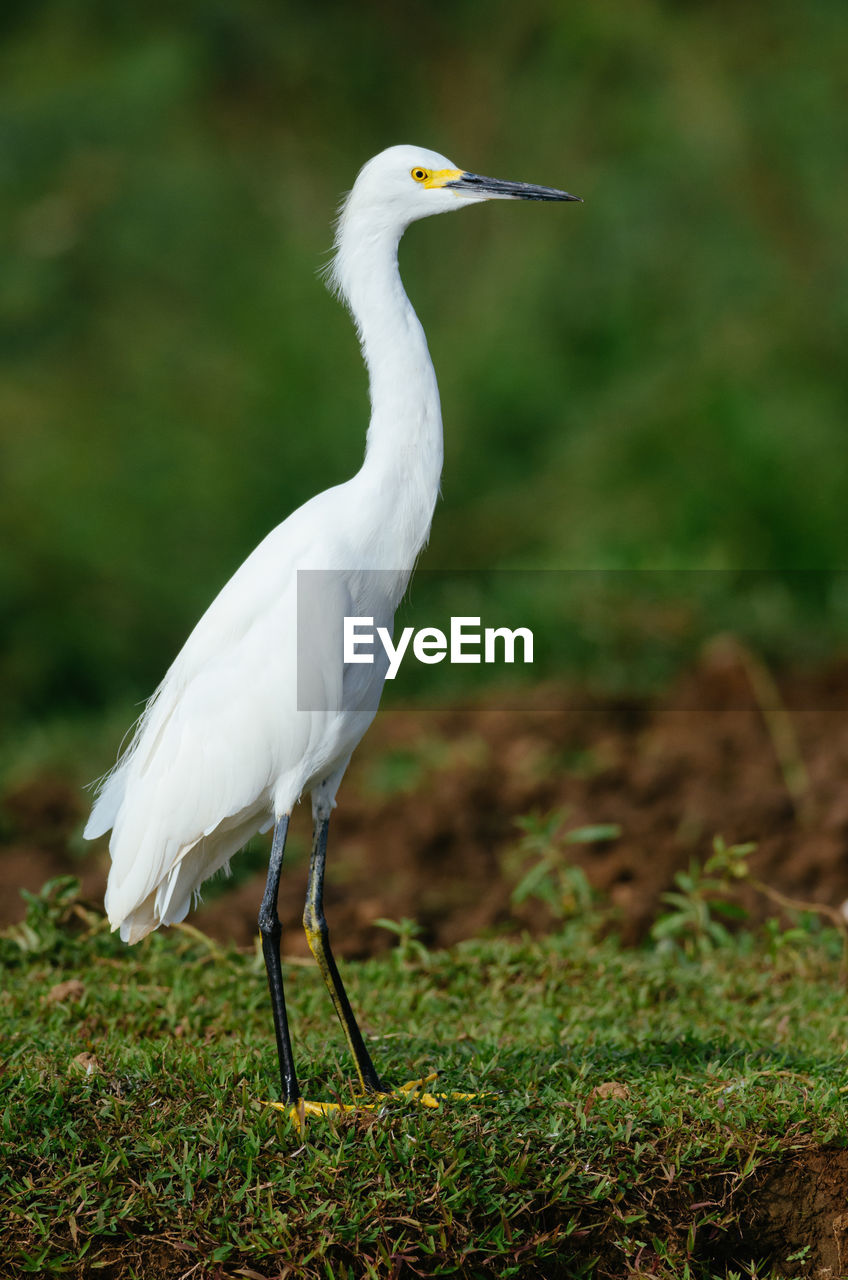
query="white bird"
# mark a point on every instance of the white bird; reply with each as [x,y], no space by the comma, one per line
[259,707]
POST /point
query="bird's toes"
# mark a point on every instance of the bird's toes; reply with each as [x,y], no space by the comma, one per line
[413,1091]
[416,1091]
[298,1111]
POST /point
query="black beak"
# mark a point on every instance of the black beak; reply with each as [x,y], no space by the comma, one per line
[497,189]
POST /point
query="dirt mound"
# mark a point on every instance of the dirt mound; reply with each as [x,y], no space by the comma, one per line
[427,813]
[802,1204]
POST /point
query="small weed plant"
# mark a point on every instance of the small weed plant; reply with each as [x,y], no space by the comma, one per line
[702,901]
[551,877]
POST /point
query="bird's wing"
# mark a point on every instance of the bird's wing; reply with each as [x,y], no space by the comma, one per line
[238,608]
[203,765]
[223,739]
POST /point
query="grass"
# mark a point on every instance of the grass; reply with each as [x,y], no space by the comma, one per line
[643,1100]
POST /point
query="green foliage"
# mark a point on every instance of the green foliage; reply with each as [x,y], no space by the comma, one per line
[56,921]
[702,900]
[654,379]
[410,950]
[551,878]
[631,1107]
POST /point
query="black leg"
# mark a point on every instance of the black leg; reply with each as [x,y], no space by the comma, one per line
[269,927]
[317,935]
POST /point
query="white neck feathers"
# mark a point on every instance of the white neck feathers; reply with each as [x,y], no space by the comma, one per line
[403,460]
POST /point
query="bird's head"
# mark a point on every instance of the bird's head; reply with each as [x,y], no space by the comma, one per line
[399,186]
[404,183]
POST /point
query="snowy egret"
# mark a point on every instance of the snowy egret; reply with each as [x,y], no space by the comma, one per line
[225,748]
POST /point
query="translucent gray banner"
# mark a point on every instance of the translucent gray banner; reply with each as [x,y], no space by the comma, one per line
[503,635]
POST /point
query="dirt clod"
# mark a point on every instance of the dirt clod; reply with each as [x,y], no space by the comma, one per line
[803,1203]
[73,989]
[85,1063]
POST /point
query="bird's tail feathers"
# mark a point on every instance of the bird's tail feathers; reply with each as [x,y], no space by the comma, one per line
[169,901]
[110,788]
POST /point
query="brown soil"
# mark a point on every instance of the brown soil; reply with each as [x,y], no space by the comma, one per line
[806,1203]
[426,817]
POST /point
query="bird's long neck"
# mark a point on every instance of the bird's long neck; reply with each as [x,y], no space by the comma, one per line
[403,459]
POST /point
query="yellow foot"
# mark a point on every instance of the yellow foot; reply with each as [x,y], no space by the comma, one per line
[416,1089]
[413,1091]
[298,1111]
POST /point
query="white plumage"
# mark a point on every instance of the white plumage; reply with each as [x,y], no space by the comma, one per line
[223,749]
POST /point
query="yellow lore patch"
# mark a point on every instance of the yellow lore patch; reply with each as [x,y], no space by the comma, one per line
[441,176]
[436,177]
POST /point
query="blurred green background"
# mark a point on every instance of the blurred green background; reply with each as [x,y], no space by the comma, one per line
[652,380]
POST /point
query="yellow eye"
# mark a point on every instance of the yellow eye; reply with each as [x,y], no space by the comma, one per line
[420,175]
